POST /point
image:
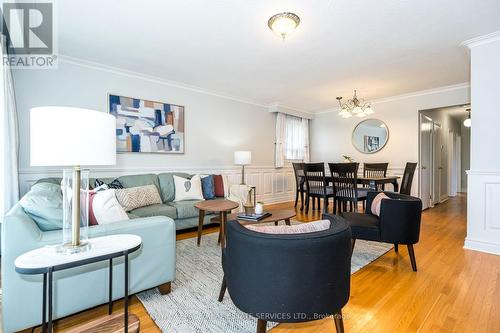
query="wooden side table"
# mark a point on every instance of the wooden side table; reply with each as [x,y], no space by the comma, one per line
[221,206]
[46,261]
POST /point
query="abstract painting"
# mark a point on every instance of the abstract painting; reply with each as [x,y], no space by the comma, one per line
[147,127]
[372,143]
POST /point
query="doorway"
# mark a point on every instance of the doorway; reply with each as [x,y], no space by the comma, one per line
[443,156]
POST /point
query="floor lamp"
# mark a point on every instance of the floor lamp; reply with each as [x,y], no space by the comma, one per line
[72,137]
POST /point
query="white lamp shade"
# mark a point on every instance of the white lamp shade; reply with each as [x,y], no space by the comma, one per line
[64,136]
[242,157]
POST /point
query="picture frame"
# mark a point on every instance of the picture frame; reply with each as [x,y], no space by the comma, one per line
[146,126]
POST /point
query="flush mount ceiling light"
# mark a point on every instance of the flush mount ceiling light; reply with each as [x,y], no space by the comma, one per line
[467,122]
[354,107]
[283,24]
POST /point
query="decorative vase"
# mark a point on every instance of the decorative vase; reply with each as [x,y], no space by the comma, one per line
[259,208]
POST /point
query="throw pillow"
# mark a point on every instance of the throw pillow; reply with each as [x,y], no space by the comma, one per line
[219,186]
[92,218]
[106,207]
[293,229]
[188,189]
[375,208]
[43,203]
[101,185]
[207,185]
[140,196]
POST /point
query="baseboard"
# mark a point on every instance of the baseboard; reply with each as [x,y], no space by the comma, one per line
[476,245]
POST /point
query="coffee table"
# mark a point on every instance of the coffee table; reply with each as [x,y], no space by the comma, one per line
[276,216]
[221,206]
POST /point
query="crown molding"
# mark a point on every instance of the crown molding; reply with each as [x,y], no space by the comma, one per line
[278,107]
[464,85]
[481,40]
[154,79]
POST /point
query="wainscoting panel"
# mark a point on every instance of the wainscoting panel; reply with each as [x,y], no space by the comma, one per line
[483,219]
[272,185]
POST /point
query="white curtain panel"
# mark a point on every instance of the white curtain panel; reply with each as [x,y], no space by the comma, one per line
[305,135]
[279,154]
[294,138]
[9,141]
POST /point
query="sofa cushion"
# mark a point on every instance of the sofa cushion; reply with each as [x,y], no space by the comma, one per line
[155,210]
[188,189]
[139,180]
[106,208]
[167,186]
[219,186]
[43,203]
[302,228]
[363,226]
[140,196]
[207,185]
[185,209]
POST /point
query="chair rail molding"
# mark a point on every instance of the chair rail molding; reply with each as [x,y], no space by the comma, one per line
[272,185]
[483,223]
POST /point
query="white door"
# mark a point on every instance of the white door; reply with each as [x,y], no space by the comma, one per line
[437,166]
[425,159]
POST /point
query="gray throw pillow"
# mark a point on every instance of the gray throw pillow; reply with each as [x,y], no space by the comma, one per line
[43,203]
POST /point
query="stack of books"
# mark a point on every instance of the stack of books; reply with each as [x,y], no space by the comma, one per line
[253,216]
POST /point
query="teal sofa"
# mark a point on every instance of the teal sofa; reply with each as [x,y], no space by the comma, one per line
[183,213]
[85,287]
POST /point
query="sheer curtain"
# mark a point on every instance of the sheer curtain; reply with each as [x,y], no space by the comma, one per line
[305,135]
[292,139]
[9,142]
[279,141]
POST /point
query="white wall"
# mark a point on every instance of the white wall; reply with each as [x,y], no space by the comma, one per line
[483,222]
[331,135]
[215,126]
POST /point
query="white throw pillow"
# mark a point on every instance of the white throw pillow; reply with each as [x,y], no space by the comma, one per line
[188,189]
[107,209]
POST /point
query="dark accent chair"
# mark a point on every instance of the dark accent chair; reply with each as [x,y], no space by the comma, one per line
[345,186]
[399,222]
[298,169]
[407,178]
[316,185]
[288,278]
[375,170]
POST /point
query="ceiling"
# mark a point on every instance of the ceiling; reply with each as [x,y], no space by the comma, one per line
[382,48]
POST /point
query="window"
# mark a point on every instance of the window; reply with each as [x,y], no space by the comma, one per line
[295,140]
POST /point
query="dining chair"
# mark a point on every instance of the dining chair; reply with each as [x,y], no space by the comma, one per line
[345,186]
[375,170]
[298,169]
[316,186]
[408,178]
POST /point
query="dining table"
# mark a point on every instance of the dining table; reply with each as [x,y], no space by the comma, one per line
[371,182]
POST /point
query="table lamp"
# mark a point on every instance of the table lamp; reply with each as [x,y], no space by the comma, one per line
[242,158]
[65,136]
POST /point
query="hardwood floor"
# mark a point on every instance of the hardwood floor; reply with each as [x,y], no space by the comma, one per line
[454,290]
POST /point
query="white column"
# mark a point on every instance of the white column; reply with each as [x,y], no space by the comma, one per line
[483,200]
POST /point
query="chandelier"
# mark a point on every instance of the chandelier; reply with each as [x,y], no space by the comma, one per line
[354,107]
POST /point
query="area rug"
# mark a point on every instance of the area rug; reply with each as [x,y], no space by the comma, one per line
[192,306]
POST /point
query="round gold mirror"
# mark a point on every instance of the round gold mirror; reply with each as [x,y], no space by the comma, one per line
[370,136]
